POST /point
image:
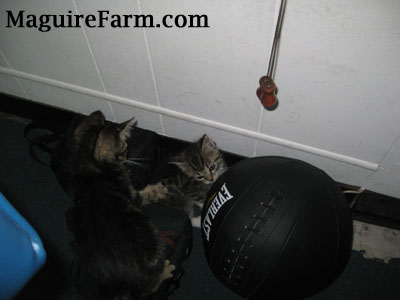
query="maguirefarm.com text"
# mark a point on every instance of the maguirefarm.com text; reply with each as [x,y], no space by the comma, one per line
[101,19]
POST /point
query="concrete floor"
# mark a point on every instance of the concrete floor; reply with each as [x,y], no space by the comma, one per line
[376,242]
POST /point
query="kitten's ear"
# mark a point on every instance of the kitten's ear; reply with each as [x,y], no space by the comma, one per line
[207,144]
[125,128]
[94,119]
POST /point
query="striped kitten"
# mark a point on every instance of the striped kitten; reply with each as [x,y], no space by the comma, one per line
[194,170]
[118,252]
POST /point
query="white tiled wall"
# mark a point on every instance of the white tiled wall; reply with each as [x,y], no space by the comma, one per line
[8,84]
[210,72]
[66,99]
[145,119]
[121,54]
[226,140]
[58,54]
[337,77]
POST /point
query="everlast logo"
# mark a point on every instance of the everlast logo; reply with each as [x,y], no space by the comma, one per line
[219,200]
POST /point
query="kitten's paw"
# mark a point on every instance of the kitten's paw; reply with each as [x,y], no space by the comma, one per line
[168,269]
[153,193]
[166,273]
[196,221]
[161,190]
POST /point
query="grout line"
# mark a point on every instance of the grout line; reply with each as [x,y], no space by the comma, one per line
[94,60]
[22,88]
[15,78]
[368,179]
[260,118]
[371,177]
[390,150]
[193,119]
[153,76]
[255,146]
[90,50]
[112,111]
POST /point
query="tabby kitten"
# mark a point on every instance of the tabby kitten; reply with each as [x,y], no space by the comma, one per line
[118,253]
[196,169]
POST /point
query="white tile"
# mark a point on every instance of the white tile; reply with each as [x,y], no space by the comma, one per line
[66,99]
[392,160]
[212,72]
[60,54]
[337,77]
[385,182]
[225,140]
[146,120]
[120,52]
[3,61]
[9,85]
[339,171]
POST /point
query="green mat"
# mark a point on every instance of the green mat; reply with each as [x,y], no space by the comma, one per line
[35,193]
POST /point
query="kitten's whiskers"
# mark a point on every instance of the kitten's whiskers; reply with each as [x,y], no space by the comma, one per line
[135,161]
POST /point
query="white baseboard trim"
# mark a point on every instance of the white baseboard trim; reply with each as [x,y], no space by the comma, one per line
[197,120]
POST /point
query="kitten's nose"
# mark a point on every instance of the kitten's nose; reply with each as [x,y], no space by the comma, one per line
[210,177]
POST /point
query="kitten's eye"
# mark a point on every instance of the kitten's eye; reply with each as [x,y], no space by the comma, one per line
[212,167]
[199,177]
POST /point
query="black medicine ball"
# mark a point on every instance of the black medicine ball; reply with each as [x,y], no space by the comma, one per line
[276,228]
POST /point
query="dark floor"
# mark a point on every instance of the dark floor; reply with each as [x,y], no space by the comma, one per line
[34,191]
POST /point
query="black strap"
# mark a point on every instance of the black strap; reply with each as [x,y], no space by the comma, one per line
[169,286]
[175,282]
[41,142]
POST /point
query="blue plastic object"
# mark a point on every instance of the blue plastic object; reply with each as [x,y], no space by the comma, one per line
[21,250]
